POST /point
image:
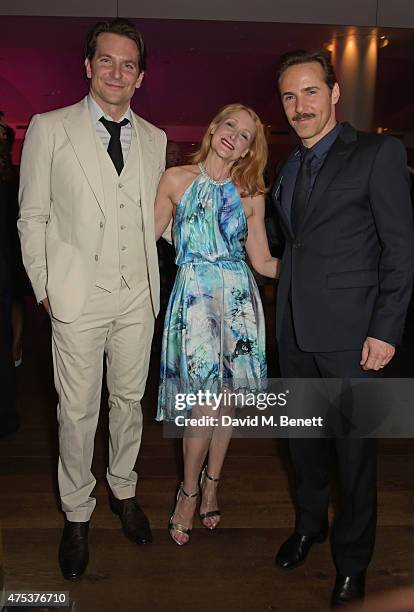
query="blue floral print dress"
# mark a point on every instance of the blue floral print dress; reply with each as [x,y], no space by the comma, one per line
[214,330]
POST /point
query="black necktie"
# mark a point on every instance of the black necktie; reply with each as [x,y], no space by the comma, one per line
[301,192]
[114,146]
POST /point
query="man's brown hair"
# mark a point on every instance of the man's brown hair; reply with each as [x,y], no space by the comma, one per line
[122,27]
[294,58]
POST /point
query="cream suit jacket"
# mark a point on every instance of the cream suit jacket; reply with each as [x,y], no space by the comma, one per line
[62,206]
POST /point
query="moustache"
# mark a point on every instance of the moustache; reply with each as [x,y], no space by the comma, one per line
[300,116]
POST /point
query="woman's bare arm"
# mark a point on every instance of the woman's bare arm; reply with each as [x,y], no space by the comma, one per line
[257,246]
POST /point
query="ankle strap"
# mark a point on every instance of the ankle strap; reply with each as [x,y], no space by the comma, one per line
[185,492]
[210,477]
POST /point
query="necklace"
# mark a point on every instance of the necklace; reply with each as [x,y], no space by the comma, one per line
[203,171]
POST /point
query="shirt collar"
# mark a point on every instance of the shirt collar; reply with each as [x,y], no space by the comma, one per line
[96,112]
[323,145]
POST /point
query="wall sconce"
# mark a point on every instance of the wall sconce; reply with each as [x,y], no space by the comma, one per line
[383,41]
[329,46]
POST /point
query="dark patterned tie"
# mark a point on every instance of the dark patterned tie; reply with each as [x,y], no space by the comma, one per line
[301,192]
[114,146]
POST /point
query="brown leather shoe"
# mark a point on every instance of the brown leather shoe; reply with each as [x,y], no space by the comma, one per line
[134,522]
[73,550]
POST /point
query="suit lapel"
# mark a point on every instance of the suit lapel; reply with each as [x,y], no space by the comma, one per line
[340,151]
[276,193]
[276,190]
[146,163]
[278,203]
[79,128]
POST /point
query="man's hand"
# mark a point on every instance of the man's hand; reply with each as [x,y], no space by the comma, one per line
[376,354]
[45,303]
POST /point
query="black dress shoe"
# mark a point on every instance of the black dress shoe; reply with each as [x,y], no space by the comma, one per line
[347,589]
[294,551]
[134,522]
[73,550]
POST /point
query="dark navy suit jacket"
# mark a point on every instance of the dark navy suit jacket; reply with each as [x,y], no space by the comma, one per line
[349,271]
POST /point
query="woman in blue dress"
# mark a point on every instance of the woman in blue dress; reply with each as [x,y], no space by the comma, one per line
[214,336]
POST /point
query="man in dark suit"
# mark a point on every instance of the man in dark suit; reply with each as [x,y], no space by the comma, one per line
[344,205]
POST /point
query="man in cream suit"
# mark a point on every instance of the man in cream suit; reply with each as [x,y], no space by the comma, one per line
[88,180]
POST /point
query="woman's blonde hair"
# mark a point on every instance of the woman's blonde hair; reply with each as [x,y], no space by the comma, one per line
[247,172]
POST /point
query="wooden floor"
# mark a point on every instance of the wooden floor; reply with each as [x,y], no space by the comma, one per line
[230,569]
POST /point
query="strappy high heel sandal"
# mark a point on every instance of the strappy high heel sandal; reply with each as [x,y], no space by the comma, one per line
[211,513]
[178,526]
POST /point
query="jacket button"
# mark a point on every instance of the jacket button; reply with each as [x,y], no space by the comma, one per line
[297,245]
[96,257]
[101,224]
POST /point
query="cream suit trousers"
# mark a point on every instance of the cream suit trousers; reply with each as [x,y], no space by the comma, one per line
[120,325]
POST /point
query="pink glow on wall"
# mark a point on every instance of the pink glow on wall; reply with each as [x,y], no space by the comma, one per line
[193,69]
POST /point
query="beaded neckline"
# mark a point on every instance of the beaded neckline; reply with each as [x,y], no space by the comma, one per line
[208,177]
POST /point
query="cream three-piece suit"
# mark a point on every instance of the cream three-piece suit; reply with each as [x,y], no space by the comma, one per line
[88,244]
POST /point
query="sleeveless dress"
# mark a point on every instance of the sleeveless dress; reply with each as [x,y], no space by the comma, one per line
[214,329]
